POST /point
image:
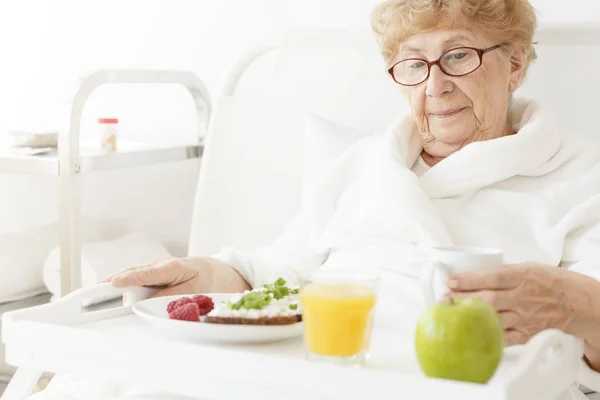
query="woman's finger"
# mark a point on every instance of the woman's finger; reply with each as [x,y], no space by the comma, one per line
[111,276]
[150,275]
[501,300]
[129,269]
[500,278]
[509,319]
[514,337]
[169,291]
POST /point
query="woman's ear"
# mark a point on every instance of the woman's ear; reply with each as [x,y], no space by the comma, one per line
[518,66]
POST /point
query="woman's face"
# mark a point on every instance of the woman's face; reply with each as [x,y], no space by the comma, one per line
[451,112]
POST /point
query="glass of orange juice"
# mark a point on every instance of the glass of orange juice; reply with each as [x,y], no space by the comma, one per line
[337,313]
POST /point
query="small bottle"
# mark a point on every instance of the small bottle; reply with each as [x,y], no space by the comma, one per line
[108,133]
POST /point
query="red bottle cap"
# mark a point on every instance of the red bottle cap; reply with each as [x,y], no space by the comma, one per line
[108,120]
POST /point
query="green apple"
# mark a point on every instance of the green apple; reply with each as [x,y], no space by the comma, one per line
[460,340]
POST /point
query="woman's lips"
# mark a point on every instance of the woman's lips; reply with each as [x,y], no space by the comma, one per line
[447,113]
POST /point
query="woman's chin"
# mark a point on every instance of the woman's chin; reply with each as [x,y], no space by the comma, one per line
[454,137]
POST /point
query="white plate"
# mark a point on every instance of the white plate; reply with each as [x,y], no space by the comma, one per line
[154,311]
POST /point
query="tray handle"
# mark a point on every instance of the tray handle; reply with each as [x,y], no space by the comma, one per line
[130,294]
[549,364]
[75,302]
[71,309]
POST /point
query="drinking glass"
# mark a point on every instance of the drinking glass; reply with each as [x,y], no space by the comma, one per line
[337,310]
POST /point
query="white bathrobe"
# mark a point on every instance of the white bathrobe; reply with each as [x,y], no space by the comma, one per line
[535,195]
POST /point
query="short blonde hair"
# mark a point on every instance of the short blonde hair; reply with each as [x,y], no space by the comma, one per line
[504,21]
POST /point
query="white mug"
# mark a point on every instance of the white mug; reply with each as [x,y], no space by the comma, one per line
[452,259]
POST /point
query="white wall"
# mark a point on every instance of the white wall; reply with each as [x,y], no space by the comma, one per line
[47,44]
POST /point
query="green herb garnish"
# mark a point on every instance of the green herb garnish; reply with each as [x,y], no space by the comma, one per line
[293,306]
[277,289]
[261,298]
[251,301]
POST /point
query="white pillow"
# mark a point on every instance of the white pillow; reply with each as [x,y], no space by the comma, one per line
[262,158]
[249,187]
[324,142]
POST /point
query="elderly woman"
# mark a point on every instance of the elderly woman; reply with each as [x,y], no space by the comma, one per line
[470,165]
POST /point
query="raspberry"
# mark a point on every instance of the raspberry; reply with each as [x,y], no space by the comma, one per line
[187,312]
[205,303]
[175,304]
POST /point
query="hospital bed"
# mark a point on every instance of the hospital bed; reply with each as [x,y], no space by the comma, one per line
[259,161]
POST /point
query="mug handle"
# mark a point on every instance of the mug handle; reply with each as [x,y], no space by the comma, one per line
[427,274]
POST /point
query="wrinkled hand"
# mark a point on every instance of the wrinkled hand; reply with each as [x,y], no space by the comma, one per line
[529,298]
[183,276]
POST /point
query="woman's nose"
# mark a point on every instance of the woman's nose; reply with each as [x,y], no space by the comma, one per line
[438,83]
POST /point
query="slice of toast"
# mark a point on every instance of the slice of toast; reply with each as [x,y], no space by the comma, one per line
[277,320]
[272,304]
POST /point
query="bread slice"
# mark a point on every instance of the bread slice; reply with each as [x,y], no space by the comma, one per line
[278,320]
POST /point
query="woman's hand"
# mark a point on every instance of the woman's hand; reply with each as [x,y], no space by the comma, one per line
[183,276]
[529,298]
[532,297]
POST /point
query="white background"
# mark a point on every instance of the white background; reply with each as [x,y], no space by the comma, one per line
[46,44]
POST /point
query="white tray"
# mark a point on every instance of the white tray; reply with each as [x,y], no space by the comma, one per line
[116,344]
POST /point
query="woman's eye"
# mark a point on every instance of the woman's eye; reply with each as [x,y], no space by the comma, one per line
[458,56]
[417,64]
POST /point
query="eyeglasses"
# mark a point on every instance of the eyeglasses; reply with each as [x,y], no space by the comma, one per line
[456,62]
